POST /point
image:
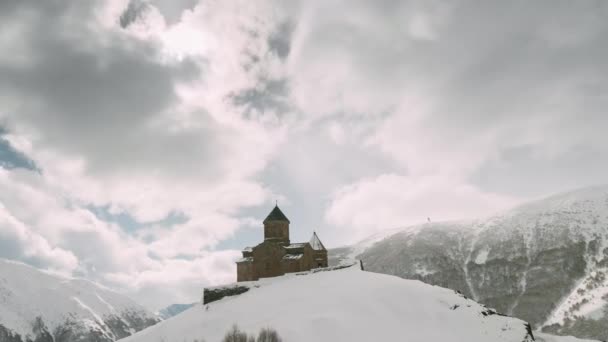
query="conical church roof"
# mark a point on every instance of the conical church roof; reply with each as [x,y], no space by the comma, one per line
[276,215]
[316,243]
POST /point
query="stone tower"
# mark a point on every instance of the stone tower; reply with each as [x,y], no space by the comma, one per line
[276,227]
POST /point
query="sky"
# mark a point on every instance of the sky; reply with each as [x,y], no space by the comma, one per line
[143,142]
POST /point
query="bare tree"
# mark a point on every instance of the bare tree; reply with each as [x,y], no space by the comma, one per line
[265,335]
[268,335]
[235,335]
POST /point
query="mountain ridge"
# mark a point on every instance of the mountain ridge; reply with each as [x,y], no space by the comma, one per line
[173,310]
[544,261]
[43,306]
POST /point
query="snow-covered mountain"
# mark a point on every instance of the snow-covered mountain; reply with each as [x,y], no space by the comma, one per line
[545,262]
[173,310]
[41,307]
[342,305]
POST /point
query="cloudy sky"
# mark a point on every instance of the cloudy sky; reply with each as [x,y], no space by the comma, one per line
[142,143]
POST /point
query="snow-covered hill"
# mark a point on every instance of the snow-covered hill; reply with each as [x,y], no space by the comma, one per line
[45,307]
[542,337]
[342,305]
[545,262]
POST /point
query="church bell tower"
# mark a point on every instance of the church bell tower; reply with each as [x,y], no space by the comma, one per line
[276,227]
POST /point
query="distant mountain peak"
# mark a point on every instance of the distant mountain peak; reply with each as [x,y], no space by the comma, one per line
[34,303]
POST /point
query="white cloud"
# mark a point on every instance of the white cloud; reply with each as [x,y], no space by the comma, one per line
[359,115]
[392,201]
[18,242]
[52,232]
[176,280]
[146,136]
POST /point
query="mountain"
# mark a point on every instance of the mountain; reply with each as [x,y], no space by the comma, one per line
[543,337]
[545,262]
[173,310]
[41,307]
[341,305]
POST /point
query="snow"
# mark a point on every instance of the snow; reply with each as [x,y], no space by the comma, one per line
[423,271]
[26,293]
[589,297]
[361,246]
[541,337]
[482,257]
[245,259]
[293,256]
[295,246]
[542,225]
[358,248]
[341,305]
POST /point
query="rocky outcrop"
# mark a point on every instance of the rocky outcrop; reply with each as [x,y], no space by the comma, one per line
[216,293]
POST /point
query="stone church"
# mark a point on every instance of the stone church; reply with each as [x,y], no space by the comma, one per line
[277,255]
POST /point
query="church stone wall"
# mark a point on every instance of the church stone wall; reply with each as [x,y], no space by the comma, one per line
[308,258]
[277,230]
[320,259]
[267,258]
[290,266]
[245,271]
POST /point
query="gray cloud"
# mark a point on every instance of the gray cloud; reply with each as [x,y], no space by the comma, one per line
[173,9]
[266,95]
[357,120]
[279,41]
[136,10]
[524,171]
[97,108]
[101,96]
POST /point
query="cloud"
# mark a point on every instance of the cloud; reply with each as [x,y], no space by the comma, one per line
[392,201]
[69,239]
[189,117]
[179,279]
[445,91]
[109,117]
[120,102]
[18,242]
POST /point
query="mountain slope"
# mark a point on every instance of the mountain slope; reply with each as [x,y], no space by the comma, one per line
[342,305]
[173,310]
[545,262]
[44,307]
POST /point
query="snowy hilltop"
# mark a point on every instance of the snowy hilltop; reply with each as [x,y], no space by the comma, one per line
[342,305]
[38,306]
[545,262]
